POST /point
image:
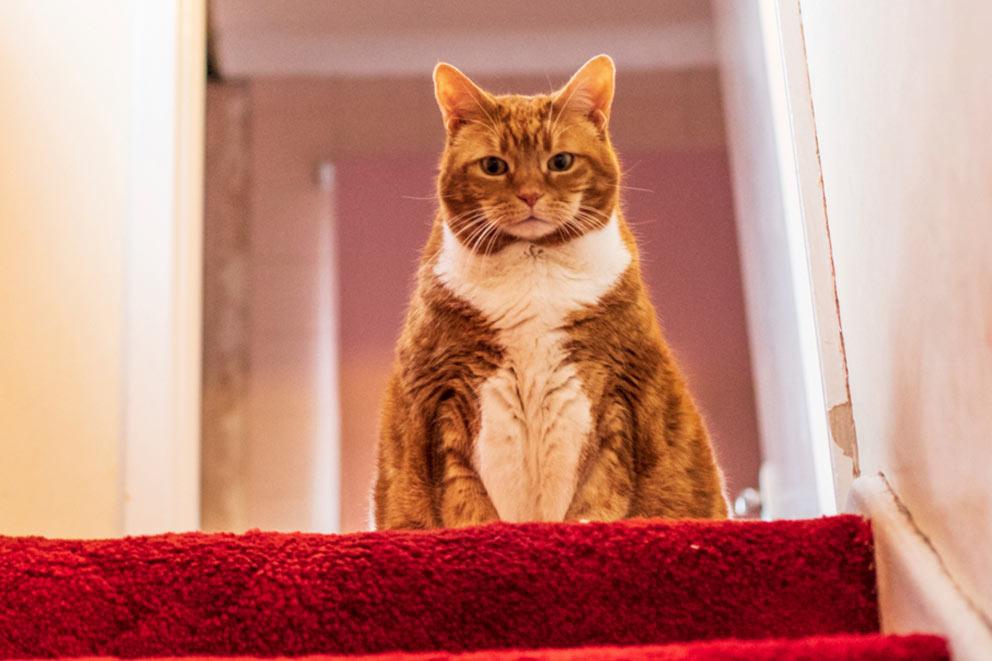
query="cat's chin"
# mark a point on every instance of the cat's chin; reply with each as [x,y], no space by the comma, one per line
[529,229]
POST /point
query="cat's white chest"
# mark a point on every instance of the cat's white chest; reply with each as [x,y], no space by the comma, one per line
[535,417]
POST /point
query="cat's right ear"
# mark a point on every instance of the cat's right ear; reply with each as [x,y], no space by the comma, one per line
[458,97]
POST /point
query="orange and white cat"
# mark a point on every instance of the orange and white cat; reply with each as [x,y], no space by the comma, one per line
[532,381]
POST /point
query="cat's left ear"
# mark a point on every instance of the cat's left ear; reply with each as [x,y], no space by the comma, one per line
[590,91]
[458,97]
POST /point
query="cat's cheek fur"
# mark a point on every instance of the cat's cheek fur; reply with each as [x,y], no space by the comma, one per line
[535,416]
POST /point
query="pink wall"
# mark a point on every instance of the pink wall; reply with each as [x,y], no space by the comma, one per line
[689,248]
[688,242]
[379,232]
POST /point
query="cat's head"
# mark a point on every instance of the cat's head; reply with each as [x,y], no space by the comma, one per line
[531,168]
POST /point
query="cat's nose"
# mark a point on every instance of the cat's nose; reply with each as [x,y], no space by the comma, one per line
[530,199]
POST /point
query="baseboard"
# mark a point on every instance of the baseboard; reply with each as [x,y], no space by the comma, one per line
[915,591]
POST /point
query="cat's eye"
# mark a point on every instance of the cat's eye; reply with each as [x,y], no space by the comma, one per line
[561,161]
[493,166]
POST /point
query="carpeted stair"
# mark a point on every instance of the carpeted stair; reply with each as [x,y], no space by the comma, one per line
[632,590]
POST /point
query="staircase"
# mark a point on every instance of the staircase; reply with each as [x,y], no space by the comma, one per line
[630,590]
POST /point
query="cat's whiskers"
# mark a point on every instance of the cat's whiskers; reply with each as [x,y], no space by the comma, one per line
[473,241]
[485,226]
[560,132]
[491,243]
[467,216]
[486,126]
[624,173]
[564,106]
[485,243]
[586,222]
[547,123]
[492,121]
[594,211]
[428,198]
[477,225]
[488,229]
[578,225]
[474,226]
[594,216]
[634,188]
[570,231]
[474,222]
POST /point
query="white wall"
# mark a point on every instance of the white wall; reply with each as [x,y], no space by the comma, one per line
[902,94]
[62,266]
[79,95]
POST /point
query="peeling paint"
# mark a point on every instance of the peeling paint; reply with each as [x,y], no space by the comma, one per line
[843,433]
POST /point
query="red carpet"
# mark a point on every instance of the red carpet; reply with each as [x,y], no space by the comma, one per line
[850,648]
[501,586]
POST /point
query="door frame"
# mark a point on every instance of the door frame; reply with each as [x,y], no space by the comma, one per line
[806,201]
[163,269]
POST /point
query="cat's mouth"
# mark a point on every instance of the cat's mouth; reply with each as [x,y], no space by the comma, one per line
[530,228]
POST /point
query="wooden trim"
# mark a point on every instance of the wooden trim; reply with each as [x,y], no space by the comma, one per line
[805,159]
